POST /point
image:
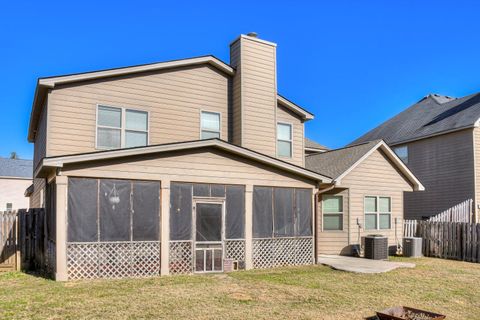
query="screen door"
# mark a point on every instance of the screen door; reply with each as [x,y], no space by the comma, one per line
[208,237]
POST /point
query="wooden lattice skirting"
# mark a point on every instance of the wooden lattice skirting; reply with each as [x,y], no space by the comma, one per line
[276,252]
[113,259]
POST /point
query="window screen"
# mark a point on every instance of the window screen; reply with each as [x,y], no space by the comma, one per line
[82,210]
[180,211]
[218,190]
[146,211]
[303,219]
[115,210]
[332,209]
[283,212]
[235,212]
[262,212]
[201,190]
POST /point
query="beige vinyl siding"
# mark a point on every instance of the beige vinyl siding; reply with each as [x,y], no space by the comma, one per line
[445,166]
[38,192]
[173,98]
[375,176]
[258,94]
[40,145]
[12,191]
[286,116]
[333,241]
[204,165]
[236,114]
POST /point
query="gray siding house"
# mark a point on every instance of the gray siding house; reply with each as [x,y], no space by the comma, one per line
[438,139]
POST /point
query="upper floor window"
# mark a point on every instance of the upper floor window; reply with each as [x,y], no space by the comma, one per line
[284,140]
[210,125]
[378,213]
[402,153]
[121,128]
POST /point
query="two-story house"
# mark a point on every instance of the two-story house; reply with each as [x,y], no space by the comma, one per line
[194,165]
[438,138]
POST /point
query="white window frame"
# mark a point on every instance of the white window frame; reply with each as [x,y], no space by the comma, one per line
[377,212]
[404,160]
[123,125]
[11,206]
[290,141]
[332,213]
[219,123]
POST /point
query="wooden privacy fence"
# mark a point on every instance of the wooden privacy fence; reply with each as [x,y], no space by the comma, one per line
[8,241]
[450,240]
[462,212]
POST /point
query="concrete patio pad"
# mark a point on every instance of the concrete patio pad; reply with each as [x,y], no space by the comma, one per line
[361,265]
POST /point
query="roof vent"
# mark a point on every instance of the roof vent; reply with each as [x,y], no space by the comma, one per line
[252,34]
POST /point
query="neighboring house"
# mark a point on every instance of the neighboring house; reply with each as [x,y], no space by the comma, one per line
[438,138]
[15,177]
[313,147]
[174,167]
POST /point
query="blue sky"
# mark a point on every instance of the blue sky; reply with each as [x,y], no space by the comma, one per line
[353,64]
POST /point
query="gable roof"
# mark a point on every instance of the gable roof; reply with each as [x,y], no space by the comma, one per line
[46,83]
[338,163]
[313,145]
[59,161]
[16,168]
[433,115]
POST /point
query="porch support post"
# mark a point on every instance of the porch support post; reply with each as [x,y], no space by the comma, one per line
[315,219]
[61,236]
[248,227]
[165,224]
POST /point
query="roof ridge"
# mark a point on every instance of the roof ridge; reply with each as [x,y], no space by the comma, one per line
[343,148]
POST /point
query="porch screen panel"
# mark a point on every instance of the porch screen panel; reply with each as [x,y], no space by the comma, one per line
[180,211]
[262,212]
[145,211]
[82,210]
[283,212]
[201,190]
[303,206]
[51,209]
[218,190]
[115,210]
[235,212]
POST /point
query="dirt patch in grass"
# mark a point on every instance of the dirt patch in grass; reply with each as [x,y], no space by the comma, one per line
[313,292]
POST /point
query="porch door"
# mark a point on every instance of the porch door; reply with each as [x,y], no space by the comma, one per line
[209,234]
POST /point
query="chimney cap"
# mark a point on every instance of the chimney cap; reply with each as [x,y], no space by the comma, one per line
[252,34]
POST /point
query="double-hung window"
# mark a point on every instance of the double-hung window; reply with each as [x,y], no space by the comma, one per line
[209,125]
[284,140]
[332,208]
[121,128]
[378,213]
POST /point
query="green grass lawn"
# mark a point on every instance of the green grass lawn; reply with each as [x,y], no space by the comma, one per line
[312,292]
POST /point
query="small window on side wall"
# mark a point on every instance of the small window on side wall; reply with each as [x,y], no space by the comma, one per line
[284,140]
[209,125]
[9,206]
[332,209]
[402,153]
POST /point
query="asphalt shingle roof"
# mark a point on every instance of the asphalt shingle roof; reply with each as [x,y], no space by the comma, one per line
[335,162]
[433,114]
[17,168]
[314,145]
